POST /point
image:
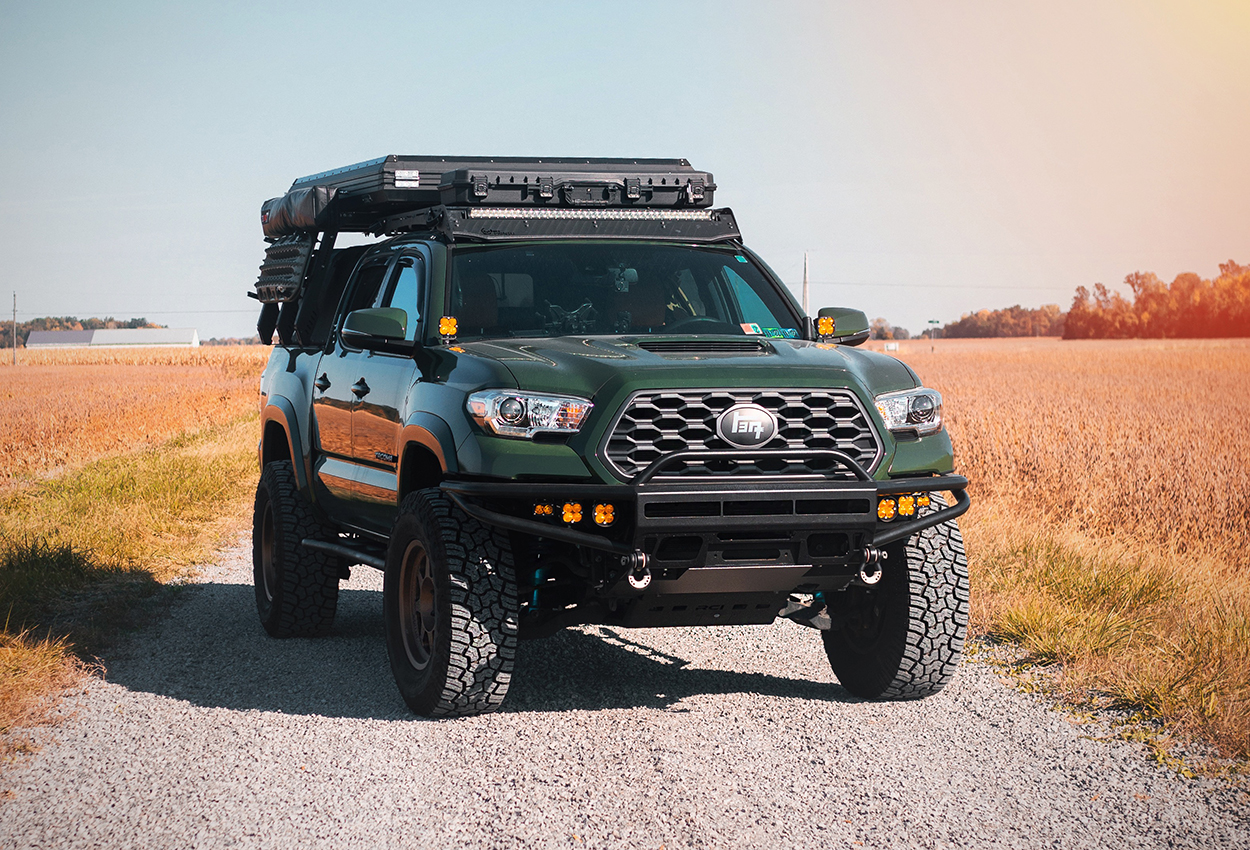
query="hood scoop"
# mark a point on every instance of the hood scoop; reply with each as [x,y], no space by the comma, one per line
[705,346]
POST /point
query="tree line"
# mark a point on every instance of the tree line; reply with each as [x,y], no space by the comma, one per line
[65,323]
[1187,307]
[1011,321]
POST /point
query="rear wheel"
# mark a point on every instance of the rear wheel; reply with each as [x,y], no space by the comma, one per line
[903,638]
[297,589]
[450,606]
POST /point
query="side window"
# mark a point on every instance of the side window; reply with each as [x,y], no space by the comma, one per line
[404,291]
[366,288]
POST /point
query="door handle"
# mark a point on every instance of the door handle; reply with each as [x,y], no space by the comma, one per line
[360,388]
[322,383]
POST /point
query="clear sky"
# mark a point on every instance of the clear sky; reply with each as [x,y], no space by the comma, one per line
[934,158]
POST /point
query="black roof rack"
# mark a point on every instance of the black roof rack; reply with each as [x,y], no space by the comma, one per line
[394,192]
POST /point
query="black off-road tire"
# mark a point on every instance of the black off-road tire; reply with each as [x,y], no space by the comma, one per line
[451,608]
[297,589]
[903,638]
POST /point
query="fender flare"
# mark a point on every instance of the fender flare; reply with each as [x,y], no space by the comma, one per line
[280,410]
[433,433]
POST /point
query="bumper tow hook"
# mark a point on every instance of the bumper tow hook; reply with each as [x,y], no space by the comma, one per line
[870,571]
[639,572]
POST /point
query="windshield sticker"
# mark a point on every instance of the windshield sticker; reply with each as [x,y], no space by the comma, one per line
[750,328]
[779,333]
[740,258]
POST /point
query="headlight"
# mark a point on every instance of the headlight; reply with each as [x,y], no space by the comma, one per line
[912,410]
[516,414]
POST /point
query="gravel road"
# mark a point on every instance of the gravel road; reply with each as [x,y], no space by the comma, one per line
[209,734]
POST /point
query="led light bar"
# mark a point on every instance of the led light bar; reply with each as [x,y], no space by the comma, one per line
[617,215]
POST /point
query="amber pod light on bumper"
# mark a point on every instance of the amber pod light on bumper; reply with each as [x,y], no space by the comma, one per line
[885,510]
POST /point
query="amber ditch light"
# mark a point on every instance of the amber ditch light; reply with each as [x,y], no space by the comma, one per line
[824,326]
[447,327]
[572,512]
[605,515]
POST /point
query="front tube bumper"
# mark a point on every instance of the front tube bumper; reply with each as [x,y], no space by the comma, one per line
[646,491]
[956,484]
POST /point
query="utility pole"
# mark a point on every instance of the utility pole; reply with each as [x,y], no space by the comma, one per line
[807,289]
[15,327]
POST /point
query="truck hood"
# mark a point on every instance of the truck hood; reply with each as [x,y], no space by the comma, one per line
[604,368]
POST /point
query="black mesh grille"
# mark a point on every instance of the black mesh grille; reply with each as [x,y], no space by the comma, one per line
[660,422]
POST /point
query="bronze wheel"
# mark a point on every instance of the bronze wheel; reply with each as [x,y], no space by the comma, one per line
[418,605]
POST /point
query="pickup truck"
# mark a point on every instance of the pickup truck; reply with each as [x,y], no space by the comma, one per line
[553,393]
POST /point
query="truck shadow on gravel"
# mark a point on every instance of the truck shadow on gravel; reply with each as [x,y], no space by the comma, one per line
[211,652]
[575,670]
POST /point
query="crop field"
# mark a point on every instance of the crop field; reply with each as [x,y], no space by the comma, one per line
[1110,528]
[62,408]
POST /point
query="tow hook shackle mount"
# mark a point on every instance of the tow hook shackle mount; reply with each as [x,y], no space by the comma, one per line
[639,573]
[870,569]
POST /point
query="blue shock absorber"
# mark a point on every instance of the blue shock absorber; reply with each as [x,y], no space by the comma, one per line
[540,575]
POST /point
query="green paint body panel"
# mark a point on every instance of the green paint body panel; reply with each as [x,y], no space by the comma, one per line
[501,457]
[932,454]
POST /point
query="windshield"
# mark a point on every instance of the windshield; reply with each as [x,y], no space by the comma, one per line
[550,289]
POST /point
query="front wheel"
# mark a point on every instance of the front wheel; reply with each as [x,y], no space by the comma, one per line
[450,606]
[903,638]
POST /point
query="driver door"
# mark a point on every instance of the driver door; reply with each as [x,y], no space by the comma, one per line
[336,394]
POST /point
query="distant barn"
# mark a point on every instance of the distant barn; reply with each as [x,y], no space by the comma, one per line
[115,338]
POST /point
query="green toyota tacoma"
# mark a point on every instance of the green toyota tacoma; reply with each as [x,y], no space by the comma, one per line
[555,392]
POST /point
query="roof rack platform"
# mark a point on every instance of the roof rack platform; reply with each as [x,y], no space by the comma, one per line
[358,197]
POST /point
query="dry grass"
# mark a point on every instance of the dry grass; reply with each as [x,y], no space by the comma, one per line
[32,672]
[156,461]
[1110,528]
[62,408]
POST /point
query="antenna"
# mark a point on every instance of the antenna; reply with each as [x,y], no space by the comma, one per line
[807,289]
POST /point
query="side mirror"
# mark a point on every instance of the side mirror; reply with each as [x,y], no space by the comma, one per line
[381,328]
[850,327]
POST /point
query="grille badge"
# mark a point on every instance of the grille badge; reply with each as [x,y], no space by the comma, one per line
[746,425]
